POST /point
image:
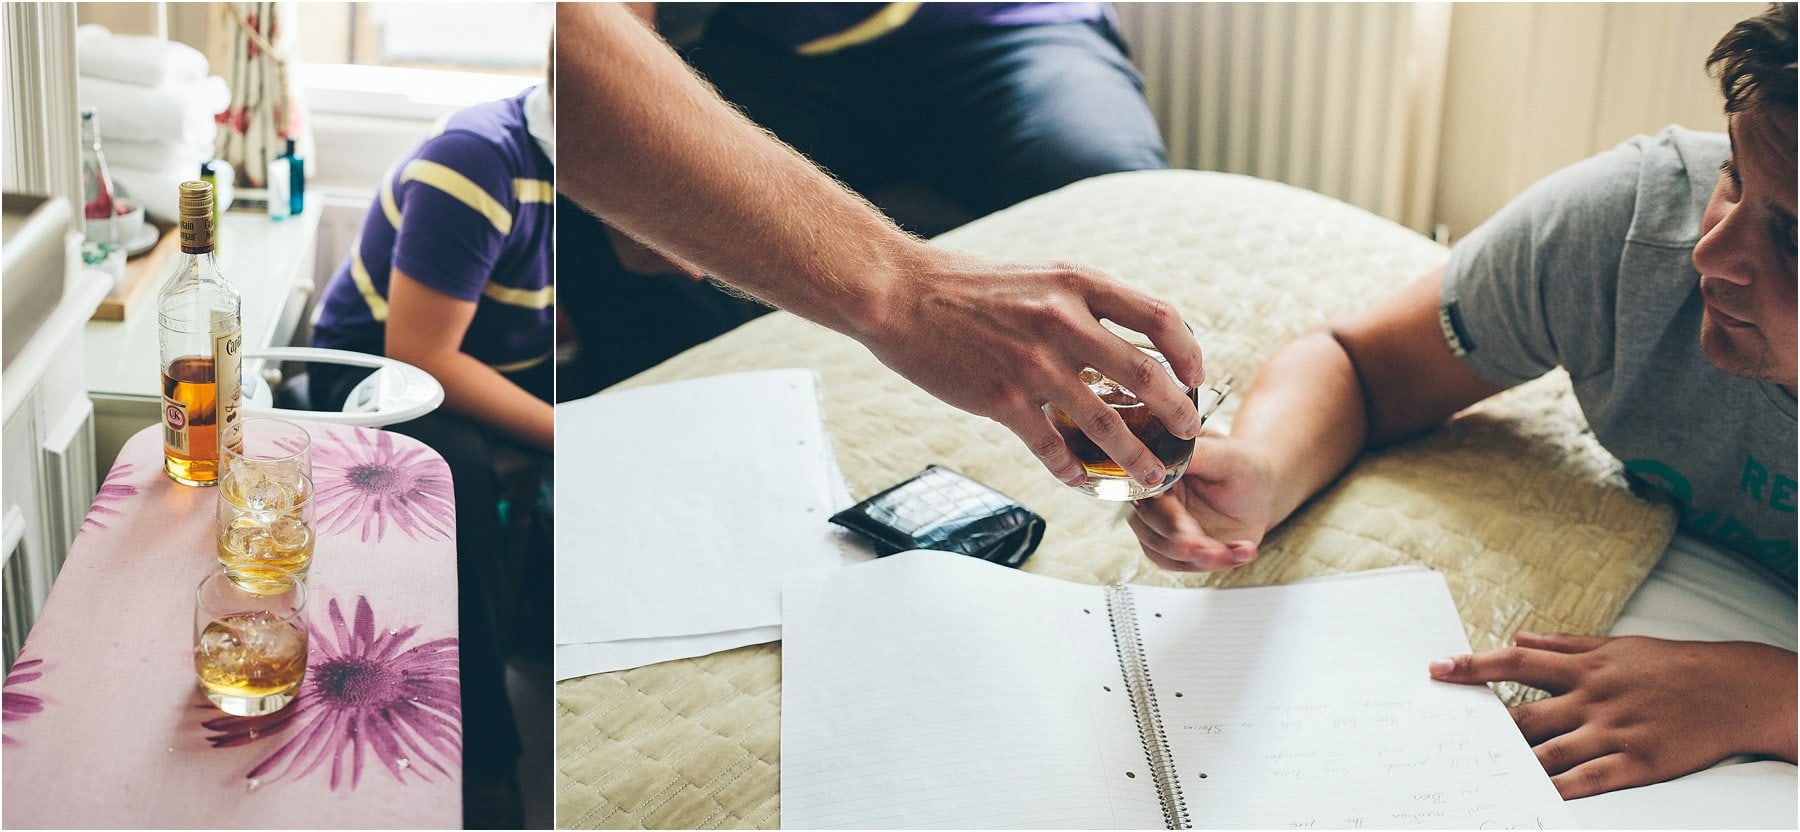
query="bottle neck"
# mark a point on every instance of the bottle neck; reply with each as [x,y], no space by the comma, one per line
[197,235]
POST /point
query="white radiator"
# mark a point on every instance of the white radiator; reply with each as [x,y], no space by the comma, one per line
[1341,98]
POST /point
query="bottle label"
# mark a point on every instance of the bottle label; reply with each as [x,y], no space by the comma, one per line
[227,362]
[175,426]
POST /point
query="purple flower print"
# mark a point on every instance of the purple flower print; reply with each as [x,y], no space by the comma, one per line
[370,480]
[363,696]
[112,491]
[15,704]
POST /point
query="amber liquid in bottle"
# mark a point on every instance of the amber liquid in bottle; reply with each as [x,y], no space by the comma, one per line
[202,342]
[191,383]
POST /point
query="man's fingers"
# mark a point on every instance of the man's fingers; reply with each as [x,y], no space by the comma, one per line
[1539,721]
[1047,445]
[1174,540]
[1537,668]
[1156,319]
[1562,753]
[1102,426]
[1558,642]
[1601,774]
[1150,381]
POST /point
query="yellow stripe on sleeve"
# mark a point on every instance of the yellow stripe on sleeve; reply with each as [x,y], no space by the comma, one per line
[528,298]
[461,187]
[388,206]
[523,365]
[891,17]
[534,190]
[378,307]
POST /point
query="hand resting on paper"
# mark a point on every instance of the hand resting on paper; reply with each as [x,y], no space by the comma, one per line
[1631,711]
[1215,517]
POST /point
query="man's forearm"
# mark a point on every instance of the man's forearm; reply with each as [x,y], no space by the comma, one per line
[1305,415]
[481,393]
[762,218]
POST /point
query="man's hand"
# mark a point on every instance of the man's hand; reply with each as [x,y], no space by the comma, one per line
[1001,340]
[1215,517]
[1632,711]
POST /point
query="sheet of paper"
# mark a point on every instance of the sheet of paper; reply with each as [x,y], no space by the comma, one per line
[1309,706]
[934,690]
[573,660]
[680,506]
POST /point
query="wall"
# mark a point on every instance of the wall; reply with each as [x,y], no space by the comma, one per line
[1534,87]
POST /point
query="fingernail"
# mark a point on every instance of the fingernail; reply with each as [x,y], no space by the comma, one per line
[1241,558]
[1441,667]
[1190,427]
[1526,634]
[1151,478]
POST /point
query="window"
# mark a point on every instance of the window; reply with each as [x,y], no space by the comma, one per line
[419,60]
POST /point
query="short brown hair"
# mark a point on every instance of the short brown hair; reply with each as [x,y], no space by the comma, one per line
[1755,61]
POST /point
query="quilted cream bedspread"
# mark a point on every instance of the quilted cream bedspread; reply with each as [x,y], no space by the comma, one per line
[1529,520]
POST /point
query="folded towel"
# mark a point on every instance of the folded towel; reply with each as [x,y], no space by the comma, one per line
[157,188]
[157,154]
[136,59]
[173,112]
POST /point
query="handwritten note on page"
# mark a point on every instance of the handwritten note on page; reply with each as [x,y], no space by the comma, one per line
[681,505]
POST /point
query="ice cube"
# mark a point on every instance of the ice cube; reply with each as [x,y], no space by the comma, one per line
[265,494]
[289,533]
[272,640]
[246,538]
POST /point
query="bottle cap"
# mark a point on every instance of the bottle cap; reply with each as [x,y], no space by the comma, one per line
[196,199]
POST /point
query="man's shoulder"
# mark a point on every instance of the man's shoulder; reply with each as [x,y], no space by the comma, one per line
[1677,171]
[481,137]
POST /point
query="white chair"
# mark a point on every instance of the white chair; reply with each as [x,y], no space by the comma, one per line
[395,392]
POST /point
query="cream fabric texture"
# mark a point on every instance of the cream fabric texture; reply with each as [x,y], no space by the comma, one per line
[1527,517]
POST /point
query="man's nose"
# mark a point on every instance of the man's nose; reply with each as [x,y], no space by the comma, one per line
[1722,252]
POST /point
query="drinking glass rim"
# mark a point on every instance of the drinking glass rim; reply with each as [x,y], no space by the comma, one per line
[294,580]
[302,502]
[244,426]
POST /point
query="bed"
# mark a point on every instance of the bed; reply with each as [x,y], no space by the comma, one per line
[1527,517]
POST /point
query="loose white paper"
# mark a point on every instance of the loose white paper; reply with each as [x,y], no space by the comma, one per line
[680,506]
[573,660]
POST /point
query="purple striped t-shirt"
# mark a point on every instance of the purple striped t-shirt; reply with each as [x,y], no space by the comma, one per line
[467,213]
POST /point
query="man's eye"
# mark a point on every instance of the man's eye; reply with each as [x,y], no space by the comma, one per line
[1730,174]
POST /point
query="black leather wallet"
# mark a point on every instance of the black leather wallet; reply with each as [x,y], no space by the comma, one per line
[942,509]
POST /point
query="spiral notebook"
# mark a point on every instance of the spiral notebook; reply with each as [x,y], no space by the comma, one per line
[931,690]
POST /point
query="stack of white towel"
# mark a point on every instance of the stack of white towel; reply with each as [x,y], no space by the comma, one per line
[156,103]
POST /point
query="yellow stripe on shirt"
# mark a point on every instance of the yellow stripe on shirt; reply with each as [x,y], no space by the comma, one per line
[891,17]
[528,298]
[523,365]
[461,187]
[388,206]
[534,190]
[378,308]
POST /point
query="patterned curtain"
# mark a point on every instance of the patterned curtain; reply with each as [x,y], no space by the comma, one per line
[264,111]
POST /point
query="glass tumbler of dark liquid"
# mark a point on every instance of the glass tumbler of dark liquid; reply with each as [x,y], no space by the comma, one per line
[1105,478]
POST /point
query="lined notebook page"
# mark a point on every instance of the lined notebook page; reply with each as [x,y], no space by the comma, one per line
[933,690]
[1308,706]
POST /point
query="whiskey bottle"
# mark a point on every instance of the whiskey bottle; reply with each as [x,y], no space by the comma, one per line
[202,342]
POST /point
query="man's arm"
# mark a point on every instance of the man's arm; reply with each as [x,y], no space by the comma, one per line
[425,328]
[1368,378]
[661,157]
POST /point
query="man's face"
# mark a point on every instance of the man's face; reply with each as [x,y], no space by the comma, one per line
[1746,253]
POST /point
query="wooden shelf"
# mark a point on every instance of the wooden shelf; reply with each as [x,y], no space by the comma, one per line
[142,274]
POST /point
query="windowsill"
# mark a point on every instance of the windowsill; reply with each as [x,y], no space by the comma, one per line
[393,92]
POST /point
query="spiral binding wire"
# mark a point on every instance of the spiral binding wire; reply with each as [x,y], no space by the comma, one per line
[1130,647]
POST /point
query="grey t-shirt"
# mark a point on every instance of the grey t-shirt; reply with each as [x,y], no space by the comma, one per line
[1592,269]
